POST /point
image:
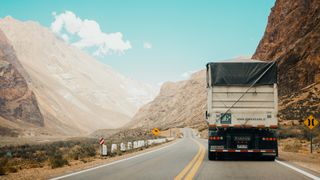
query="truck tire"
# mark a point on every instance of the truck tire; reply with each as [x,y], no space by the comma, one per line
[211,156]
[272,158]
[219,156]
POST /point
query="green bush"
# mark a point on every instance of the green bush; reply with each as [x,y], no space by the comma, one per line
[57,161]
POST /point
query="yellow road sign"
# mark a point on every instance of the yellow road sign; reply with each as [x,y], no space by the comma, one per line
[155,131]
[311,122]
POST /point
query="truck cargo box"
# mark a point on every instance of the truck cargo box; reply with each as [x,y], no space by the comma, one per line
[242,94]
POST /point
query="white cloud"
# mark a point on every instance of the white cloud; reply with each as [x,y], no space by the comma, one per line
[65,37]
[89,34]
[147,45]
[187,75]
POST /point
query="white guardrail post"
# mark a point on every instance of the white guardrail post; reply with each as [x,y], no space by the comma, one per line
[113,148]
[129,145]
[122,147]
[133,145]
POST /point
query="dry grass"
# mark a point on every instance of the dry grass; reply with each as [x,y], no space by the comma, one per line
[297,151]
[47,172]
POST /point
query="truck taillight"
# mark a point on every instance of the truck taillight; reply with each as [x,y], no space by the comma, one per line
[215,138]
[269,139]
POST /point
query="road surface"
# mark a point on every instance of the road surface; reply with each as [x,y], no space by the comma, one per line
[187,159]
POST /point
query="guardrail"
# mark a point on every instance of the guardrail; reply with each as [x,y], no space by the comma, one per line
[129,146]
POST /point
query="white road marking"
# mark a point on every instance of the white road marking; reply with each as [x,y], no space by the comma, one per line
[115,162]
[298,170]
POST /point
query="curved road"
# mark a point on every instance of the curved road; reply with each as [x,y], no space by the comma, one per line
[187,159]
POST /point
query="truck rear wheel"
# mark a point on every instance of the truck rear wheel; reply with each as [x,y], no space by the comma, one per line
[271,158]
[211,156]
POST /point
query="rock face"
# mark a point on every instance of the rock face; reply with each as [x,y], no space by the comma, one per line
[17,101]
[76,93]
[292,37]
[178,104]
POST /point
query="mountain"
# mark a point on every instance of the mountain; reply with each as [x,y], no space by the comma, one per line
[18,103]
[76,93]
[178,104]
[292,37]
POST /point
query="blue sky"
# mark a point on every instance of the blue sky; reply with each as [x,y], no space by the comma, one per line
[181,35]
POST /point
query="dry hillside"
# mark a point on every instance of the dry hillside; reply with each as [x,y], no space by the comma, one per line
[292,37]
[18,103]
[76,93]
[178,104]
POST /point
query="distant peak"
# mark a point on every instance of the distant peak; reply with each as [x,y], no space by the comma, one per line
[9,18]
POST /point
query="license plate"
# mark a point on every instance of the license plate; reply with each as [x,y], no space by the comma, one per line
[242,146]
[242,138]
[216,147]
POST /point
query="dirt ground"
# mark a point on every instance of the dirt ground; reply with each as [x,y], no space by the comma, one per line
[46,172]
[309,161]
[297,151]
[173,132]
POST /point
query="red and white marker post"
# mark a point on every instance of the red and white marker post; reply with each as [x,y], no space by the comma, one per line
[101,142]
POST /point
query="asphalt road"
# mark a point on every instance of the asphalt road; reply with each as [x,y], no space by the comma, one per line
[187,159]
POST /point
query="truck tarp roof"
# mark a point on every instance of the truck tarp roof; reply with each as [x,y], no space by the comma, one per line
[242,72]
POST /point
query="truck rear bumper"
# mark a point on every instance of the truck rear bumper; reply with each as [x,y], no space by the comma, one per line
[263,152]
[244,150]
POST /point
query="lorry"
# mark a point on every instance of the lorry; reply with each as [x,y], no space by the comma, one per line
[242,107]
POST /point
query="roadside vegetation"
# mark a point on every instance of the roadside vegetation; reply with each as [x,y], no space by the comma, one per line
[14,158]
[296,138]
[55,154]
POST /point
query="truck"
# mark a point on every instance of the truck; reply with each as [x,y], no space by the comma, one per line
[242,107]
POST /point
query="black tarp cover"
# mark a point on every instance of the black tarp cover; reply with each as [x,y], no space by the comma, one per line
[242,73]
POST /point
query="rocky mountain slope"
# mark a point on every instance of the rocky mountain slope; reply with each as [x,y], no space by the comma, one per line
[292,37]
[17,102]
[76,93]
[178,104]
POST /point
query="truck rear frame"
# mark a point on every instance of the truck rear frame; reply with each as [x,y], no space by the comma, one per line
[242,110]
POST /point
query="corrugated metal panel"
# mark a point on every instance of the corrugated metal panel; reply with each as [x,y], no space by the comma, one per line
[258,107]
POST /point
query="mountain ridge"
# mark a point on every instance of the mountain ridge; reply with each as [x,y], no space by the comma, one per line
[76,93]
[17,100]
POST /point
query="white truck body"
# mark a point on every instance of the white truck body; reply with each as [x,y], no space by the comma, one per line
[257,107]
[242,106]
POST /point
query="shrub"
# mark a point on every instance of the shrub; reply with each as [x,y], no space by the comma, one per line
[3,163]
[82,151]
[293,147]
[12,169]
[57,161]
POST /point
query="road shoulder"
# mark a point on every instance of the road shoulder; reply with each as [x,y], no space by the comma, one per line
[46,172]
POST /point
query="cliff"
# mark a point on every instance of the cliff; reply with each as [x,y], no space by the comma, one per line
[292,37]
[17,101]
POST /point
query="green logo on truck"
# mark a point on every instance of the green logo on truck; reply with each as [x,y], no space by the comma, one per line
[225,118]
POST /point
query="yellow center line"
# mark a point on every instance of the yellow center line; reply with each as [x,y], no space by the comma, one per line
[194,164]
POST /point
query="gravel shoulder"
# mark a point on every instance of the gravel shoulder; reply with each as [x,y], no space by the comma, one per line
[308,161]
